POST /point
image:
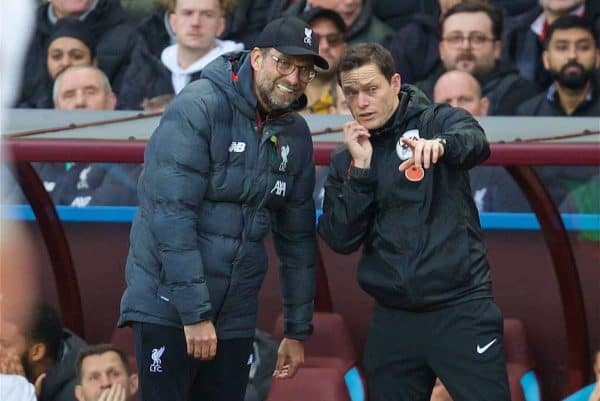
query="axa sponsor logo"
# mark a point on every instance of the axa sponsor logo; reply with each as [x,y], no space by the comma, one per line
[279,188]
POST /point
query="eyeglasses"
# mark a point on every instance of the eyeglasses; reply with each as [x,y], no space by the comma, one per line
[475,39]
[333,39]
[286,67]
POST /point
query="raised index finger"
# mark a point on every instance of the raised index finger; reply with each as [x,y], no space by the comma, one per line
[410,142]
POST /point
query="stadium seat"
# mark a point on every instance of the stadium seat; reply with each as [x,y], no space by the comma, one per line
[311,383]
[331,337]
[522,380]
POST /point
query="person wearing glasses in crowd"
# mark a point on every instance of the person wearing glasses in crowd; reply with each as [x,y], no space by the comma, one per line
[321,92]
[230,162]
[399,189]
[470,42]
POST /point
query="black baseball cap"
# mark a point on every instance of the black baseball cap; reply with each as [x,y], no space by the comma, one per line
[73,28]
[317,12]
[293,37]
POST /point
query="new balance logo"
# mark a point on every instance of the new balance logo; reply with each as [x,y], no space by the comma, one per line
[156,366]
[481,350]
[237,147]
[279,188]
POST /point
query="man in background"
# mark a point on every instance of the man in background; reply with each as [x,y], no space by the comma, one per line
[115,39]
[104,374]
[47,352]
[571,57]
[321,92]
[471,41]
[197,25]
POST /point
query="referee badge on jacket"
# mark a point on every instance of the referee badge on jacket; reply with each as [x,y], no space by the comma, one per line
[404,151]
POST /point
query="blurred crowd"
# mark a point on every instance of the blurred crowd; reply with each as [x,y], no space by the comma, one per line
[491,57]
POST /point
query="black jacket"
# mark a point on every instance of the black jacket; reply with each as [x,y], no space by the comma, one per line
[548,104]
[61,379]
[420,37]
[154,33]
[146,77]
[422,241]
[249,18]
[115,41]
[217,178]
[504,88]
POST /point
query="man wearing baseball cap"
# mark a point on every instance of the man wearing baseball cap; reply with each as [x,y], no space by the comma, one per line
[230,162]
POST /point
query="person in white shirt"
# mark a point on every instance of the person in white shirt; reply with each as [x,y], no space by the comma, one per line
[197,25]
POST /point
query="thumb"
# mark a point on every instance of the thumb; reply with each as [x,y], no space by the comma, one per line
[406,164]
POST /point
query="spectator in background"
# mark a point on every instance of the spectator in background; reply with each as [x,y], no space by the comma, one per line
[83,87]
[115,39]
[361,24]
[471,42]
[104,374]
[322,92]
[197,25]
[420,36]
[571,57]
[460,89]
[86,87]
[45,348]
[524,40]
[71,43]
[156,30]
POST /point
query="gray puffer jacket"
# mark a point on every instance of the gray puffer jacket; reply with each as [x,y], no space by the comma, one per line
[217,178]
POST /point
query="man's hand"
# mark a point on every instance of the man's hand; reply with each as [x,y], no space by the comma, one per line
[10,363]
[38,384]
[201,339]
[426,152]
[289,358]
[356,138]
[116,392]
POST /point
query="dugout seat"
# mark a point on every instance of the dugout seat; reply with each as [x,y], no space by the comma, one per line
[311,383]
[522,380]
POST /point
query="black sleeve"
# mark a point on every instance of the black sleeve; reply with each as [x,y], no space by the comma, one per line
[466,144]
[347,207]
